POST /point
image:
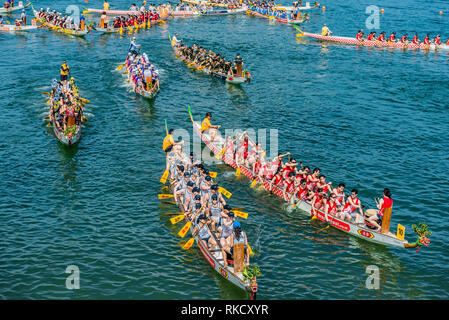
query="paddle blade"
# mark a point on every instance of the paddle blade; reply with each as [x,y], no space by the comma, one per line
[261,187]
[164,188]
[120,67]
[225,192]
[188,244]
[165,196]
[47,93]
[85,100]
[184,229]
[251,253]
[176,219]
[168,202]
[164,177]
[212,174]
[253,183]
[241,214]
[237,172]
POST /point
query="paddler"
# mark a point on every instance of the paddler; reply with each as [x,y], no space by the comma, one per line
[64,71]
[371,36]
[175,41]
[404,39]
[415,39]
[169,143]
[350,209]
[325,31]
[105,6]
[82,21]
[437,40]
[426,40]
[206,127]
[381,37]
[359,35]
[392,37]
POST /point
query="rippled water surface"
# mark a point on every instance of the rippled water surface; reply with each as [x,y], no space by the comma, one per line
[369,117]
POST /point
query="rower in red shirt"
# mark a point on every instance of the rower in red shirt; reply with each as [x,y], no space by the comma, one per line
[404,38]
[371,36]
[359,35]
[437,40]
[381,37]
[415,39]
[392,37]
[426,40]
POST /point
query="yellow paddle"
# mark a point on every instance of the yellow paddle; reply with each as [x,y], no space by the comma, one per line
[165,196]
[85,100]
[184,229]
[212,174]
[220,154]
[164,177]
[176,219]
[250,250]
[188,244]
[120,67]
[237,172]
[225,192]
[164,188]
[241,214]
[253,183]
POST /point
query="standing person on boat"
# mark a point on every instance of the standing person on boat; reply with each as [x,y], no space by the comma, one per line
[64,71]
[208,128]
[377,214]
[325,31]
[174,41]
[169,143]
[104,21]
[23,17]
[134,47]
[105,6]
[238,63]
[238,236]
[353,203]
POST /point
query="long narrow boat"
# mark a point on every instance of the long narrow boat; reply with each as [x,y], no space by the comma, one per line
[349,40]
[228,79]
[207,3]
[306,7]
[112,12]
[15,8]
[215,257]
[13,28]
[67,138]
[278,19]
[49,25]
[360,231]
[185,13]
[149,94]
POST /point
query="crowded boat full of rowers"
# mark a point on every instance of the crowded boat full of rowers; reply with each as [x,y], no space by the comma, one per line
[372,39]
[302,187]
[269,10]
[66,108]
[141,73]
[61,23]
[205,208]
[210,62]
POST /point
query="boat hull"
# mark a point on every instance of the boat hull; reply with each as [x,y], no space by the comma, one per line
[350,228]
[11,28]
[67,140]
[348,40]
[15,8]
[76,33]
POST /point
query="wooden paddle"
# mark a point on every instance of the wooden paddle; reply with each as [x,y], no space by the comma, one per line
[184,229]
[164,177]
[241,214]
[225,192]
[169,202]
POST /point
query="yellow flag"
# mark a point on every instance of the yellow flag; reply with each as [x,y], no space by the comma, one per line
[213,174]
[165,196]
[164,177]
[225,192]
[250,251]
[241,214]
[401,232]
[188,244]
[176,219]
[184,229]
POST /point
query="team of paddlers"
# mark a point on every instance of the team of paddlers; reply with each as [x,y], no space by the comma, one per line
[141,72]
[209,60]
[298,182]
[199,197]
[372,36]
[269,9]
[66,105]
